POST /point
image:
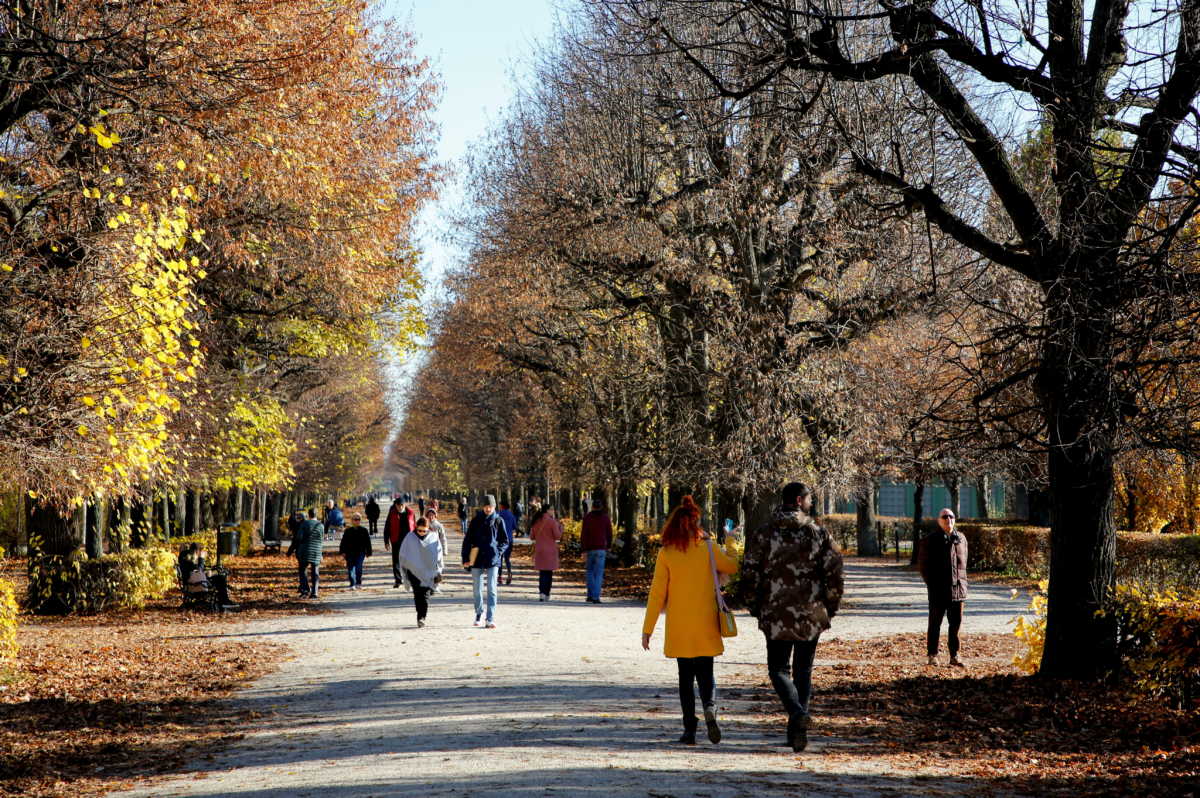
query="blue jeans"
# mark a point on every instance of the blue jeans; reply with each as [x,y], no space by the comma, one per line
[355,567]
[477,574]
[595,572]
[316,577]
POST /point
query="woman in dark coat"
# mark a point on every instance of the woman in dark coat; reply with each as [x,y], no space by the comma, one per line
[943,563]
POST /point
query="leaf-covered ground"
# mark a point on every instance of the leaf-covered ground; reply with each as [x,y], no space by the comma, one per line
[99,700]
[988,722]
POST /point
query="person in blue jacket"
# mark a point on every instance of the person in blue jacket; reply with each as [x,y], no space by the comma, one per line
[484,546]
[510,526]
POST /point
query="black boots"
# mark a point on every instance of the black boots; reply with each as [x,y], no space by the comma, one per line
[710,720]
[797,732]
[689,730]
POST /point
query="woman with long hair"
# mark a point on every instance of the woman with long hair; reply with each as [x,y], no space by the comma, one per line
[683,586]
[545,531]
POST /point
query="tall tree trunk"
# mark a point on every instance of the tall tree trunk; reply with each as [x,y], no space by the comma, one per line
[864,501]
[729,505]
[92,542]
[1131,501]
[139,531]
[51,534]
[982,487]
[918,514]
[953,487]
[627,519]
[1082,408]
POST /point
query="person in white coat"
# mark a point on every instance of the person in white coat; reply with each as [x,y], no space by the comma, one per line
[421,557]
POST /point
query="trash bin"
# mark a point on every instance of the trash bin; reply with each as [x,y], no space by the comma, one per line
[228,540]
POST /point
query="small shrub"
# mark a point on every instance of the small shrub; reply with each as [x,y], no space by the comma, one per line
[572,531]
[8,623]
[1031,630]
[1159,641]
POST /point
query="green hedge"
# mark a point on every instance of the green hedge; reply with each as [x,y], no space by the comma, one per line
[843,528]
[1153,561]
[76,584]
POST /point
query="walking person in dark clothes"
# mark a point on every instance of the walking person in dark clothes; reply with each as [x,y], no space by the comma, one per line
[942,560]
[510,526]
[306,545]
[355,547]
[372,510]
[792,572]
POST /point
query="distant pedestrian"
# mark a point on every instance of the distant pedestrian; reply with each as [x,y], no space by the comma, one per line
[307,546]
[421,506]
[545,531]
[435,526]
[483,549]
[372,510]
[518,510]
[595,539]
[683,586]
[792,577]
[942,560]
[334,520]
[464,511]
[421,557]
[510,526]
[355,548]
[400,522]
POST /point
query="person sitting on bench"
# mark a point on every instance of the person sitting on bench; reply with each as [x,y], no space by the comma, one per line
[191,568]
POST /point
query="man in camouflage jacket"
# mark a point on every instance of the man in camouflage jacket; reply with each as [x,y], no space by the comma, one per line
[793,576]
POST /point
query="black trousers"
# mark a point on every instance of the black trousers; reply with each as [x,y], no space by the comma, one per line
[700,671]
[942,607]
[420,595]
[545,581]
[397,574]
[373,526]
[795,688]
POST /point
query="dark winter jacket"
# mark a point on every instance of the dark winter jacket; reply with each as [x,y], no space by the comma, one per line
[597,531]
[308,542]
[487,532]
[510,521]
[356,540]
[792,573]
[942,560]
[372,510]
[334,517]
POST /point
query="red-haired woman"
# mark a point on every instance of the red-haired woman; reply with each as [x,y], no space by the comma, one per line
[683,585]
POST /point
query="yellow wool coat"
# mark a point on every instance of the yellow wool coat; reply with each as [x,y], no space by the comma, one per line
[683,584]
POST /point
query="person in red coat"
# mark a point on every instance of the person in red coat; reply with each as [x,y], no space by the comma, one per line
[400,521]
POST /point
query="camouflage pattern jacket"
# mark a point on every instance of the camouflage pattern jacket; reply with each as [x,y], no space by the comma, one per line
[793,576]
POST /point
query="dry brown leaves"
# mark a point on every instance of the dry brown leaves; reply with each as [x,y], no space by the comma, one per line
[98,700]
[992,725]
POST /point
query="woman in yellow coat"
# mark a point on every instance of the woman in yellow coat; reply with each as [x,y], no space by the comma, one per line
[683,585]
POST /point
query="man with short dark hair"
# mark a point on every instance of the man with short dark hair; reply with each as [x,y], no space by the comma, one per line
[595,539]
[482,550]
[792,572]
[400,521]
[355,548]
[372,510]
[510,526]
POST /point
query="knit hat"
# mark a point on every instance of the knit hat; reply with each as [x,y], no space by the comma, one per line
[489,500]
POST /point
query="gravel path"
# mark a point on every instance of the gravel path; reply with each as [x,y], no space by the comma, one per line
[560,700]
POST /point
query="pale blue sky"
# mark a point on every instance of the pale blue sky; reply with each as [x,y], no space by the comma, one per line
[476,46]
[479,49]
